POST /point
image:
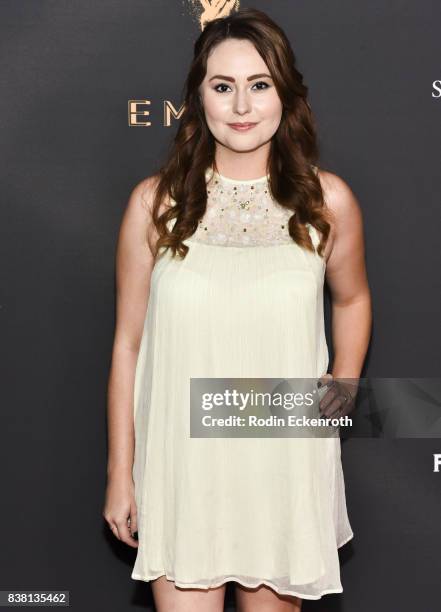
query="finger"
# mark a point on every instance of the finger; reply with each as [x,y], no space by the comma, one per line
[114,530]
[325,382]
[133,521]
[329,396]
[347,397]
[125,535]
[348,407]
[333,408]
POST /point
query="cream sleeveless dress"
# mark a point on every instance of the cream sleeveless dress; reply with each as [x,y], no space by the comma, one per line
[245,302]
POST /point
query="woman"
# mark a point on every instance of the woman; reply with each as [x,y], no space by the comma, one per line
[221,261]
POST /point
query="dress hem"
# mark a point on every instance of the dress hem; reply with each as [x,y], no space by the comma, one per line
[234,579]
[182,585]
[346,540]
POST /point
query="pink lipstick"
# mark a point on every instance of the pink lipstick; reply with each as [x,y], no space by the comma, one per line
[242,127]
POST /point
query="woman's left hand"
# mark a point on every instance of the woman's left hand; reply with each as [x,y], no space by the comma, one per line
[339,399]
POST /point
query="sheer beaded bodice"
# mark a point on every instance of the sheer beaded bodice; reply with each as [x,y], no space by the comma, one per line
[241,213]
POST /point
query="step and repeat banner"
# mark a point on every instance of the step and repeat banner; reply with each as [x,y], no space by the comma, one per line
[92,94]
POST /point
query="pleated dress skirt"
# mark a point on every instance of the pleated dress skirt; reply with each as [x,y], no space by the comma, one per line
[253,510]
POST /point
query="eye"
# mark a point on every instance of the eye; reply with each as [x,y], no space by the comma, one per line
[220,85]
[262,83]
[259,83]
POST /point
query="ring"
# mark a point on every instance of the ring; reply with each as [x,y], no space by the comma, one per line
[345,397]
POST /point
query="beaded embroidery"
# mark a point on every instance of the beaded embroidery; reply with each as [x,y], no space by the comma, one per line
[242,213]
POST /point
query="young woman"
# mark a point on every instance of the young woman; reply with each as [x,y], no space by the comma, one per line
[221,261]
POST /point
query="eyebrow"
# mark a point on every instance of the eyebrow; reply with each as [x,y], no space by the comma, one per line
[228,78]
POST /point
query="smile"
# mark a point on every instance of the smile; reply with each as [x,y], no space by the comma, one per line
[242,127]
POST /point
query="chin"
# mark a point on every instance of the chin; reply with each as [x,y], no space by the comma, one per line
[245,140]
[243,148]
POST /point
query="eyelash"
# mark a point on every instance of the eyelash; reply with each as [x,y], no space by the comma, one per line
[258,82]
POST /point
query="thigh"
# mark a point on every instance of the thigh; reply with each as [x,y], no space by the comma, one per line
[264,599]
[170,598]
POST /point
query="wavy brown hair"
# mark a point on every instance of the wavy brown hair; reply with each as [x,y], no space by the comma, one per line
[293,152]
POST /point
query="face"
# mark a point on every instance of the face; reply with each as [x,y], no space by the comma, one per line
[238,89]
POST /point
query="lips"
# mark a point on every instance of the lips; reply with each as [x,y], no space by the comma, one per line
[242,126]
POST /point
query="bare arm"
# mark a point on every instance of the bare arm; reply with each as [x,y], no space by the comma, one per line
[134,264]
[347,280]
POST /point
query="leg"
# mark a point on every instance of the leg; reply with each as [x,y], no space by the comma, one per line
[170,598]
[264,599]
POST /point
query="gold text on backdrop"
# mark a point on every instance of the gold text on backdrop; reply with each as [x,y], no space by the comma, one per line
[137,114]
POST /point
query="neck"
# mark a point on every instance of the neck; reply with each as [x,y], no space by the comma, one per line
[242,165]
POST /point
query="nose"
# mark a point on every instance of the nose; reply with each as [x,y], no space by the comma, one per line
[241,101]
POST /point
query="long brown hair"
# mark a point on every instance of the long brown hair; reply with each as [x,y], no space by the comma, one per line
[293,150]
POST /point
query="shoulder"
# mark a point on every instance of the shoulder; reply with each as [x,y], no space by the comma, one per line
[137,220]
[143,193]
[142,197]
[338,196]
[140,207]
[342,205]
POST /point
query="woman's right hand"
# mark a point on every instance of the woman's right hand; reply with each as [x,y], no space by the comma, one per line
[120,508]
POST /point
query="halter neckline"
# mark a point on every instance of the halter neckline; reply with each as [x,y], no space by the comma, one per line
[239,181]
